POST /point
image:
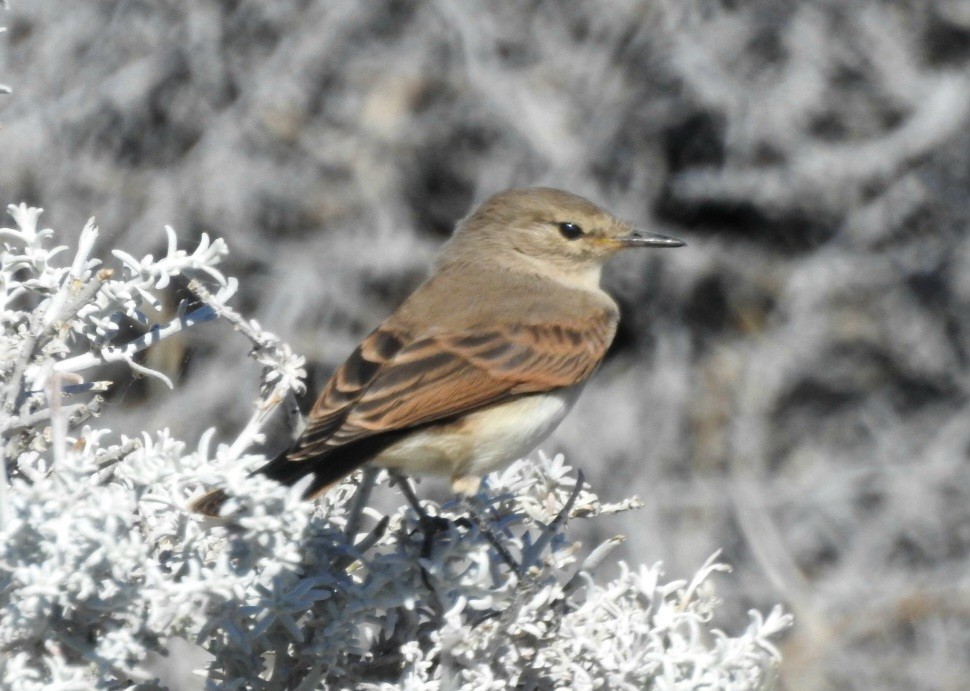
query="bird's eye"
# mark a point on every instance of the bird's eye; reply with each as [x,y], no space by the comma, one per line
[570,231]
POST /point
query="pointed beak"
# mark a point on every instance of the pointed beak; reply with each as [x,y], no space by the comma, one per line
[639,238]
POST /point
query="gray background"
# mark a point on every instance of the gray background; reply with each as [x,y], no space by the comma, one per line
[792,387]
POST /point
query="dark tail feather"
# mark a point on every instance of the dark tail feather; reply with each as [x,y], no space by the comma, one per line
[331,467]
[327,470]
[210,503]
[279,469]
[285,471]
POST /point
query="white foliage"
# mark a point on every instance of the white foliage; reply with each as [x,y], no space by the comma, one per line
[101,565]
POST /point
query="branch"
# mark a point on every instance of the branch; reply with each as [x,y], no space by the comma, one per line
[281,368]
[532,554]
[126,352]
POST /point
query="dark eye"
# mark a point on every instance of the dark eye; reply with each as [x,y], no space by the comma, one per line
[570,231]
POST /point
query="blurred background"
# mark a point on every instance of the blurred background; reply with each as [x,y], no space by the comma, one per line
[793,387]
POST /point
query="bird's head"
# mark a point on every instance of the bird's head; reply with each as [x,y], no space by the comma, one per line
[550,227]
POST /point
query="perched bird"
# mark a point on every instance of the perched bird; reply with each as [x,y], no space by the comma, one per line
[483,360]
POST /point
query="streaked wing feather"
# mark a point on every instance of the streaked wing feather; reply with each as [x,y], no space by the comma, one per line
[386,385]
[345,388]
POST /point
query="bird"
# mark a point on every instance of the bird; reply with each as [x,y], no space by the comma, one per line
[482,361]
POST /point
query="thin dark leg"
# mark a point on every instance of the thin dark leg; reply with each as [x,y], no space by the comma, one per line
[430,525]
[485,529]
[402,481]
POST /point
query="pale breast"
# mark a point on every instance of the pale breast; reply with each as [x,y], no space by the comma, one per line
[484,440]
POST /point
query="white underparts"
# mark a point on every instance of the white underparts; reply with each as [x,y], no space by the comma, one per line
[481,441]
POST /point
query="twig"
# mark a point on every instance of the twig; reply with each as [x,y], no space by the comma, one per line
[532,555]
[84,295]
[15,392]
[709,567]
[127,351]
[593,561]
[312,679]
[372,538]
[58,420]
[250,432]
[90,409]
[85,387]
[118,453]
[361,497]
[264,343]
[259,339]
[295,422]
[58,311]
[486,530]
[41,415]
[73,278]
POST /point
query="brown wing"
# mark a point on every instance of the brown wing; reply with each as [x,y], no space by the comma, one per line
[392,383]
[347,385]
[389,385]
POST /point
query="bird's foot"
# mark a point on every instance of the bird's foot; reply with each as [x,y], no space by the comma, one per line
[430,526]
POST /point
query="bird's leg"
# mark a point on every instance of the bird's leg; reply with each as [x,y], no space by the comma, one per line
[402,481]
[485,529]
[430,525]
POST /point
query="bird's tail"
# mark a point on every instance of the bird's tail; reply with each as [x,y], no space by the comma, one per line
[280,469]
[210,503]
[327,470]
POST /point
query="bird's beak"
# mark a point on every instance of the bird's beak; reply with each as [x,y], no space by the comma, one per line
[639,238]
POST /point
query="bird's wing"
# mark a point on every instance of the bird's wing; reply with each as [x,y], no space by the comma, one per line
[390,383]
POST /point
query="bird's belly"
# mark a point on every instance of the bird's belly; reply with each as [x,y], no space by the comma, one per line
[481,441]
